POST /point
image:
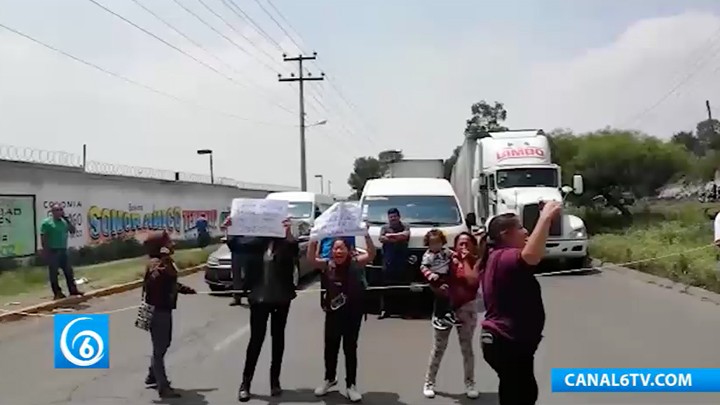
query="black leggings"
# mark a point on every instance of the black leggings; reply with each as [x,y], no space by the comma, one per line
[259,314]
[514,363]
[342,325]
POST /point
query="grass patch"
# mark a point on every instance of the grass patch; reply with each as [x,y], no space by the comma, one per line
[661,229]
[32,279]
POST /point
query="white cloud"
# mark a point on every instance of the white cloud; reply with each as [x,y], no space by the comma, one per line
[614,84]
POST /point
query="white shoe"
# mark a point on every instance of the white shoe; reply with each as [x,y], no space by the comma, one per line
[325,387]
[429,390]
[471,392]
[353,394]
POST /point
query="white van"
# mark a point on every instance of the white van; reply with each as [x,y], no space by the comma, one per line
[424,204]
[303,205]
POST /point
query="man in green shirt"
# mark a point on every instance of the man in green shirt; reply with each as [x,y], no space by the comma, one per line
[54,238]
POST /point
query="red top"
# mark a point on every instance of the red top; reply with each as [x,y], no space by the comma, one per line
[464,281]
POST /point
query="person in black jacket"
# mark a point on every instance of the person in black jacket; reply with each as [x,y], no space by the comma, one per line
[161,290]
[271,289]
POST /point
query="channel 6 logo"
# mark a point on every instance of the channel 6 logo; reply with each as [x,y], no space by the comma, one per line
[82,341]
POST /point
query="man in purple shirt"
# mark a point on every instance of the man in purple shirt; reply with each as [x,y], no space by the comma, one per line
[515,315]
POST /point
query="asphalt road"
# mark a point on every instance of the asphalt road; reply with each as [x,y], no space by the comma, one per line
[602,320]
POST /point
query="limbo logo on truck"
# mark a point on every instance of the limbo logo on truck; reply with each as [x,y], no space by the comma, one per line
[521,152]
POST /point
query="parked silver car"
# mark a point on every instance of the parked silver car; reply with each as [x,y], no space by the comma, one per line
[218,271]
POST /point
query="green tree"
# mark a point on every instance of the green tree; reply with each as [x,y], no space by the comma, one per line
[690,142]
[708,133]
[485,118]
[368,167]
[617,162]
[449,163]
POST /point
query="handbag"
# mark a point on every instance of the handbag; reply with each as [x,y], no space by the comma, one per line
[145,311]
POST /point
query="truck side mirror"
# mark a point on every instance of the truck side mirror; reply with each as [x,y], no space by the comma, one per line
[470,220]
[578,185]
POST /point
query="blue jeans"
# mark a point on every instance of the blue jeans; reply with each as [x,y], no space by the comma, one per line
[58,259]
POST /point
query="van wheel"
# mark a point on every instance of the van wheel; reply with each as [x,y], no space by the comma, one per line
[216,288]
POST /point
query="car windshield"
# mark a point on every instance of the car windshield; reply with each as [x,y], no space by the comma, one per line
[527,177]
[427,210]
[300,209]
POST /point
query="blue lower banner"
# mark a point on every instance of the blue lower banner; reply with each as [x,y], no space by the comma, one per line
[635,379]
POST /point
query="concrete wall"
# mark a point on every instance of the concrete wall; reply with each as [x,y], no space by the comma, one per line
[103,207]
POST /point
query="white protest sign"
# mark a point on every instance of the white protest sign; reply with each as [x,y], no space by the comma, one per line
[341,219]
[256,217]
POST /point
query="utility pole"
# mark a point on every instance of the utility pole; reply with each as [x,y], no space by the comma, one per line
[301,79]
[707,105]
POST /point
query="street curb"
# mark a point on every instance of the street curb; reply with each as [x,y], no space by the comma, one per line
[114,289]
[704,295]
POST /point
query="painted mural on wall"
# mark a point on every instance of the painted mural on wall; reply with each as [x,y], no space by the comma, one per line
[135,221]
[98,223]
[75,211]
[17,223]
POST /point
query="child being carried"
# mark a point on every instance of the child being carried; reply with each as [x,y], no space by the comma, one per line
[435,266]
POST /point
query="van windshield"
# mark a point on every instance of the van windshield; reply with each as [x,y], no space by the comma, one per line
[527,177]
[422,210]
[302,209]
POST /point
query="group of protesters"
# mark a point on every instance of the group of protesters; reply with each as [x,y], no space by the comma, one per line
[493,271]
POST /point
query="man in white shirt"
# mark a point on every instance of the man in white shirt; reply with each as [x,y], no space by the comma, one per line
[717,229]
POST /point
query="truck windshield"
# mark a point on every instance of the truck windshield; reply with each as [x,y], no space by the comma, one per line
[527,177]
[300,209]
[424,210]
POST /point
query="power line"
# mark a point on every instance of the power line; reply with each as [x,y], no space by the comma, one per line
[699,64]
[335,87]
[279,26]
[204,4]
[132,81]
[230,4]
[238,46]
[221,61]
[170,45]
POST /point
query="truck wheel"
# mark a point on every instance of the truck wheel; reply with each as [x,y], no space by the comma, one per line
[216,288]
[580,263]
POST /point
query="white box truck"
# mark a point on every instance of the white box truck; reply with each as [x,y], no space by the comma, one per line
[512,171]
[417,168]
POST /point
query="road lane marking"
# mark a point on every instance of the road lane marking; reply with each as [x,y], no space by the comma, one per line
[232,338]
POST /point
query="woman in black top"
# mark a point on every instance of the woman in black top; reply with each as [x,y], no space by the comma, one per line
[271,291]
[161,291]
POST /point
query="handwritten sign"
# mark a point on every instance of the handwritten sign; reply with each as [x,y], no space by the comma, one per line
[341,219]
[255,217]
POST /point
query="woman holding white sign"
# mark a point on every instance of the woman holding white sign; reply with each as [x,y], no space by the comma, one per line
[344,278]
[271,291]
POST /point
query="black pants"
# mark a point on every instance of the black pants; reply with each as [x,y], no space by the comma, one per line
[259,314]
[442,306]
[342,325]
[391,300]
[58,259]
[239,264]
[203,239]
[161,336]
[514,363]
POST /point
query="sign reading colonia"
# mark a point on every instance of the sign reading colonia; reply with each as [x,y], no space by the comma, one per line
[17,226]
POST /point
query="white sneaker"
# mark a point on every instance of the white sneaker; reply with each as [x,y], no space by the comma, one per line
[429,390]
[353,394]
[325,387]
[470,391]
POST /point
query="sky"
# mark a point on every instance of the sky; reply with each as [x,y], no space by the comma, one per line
[400,74]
